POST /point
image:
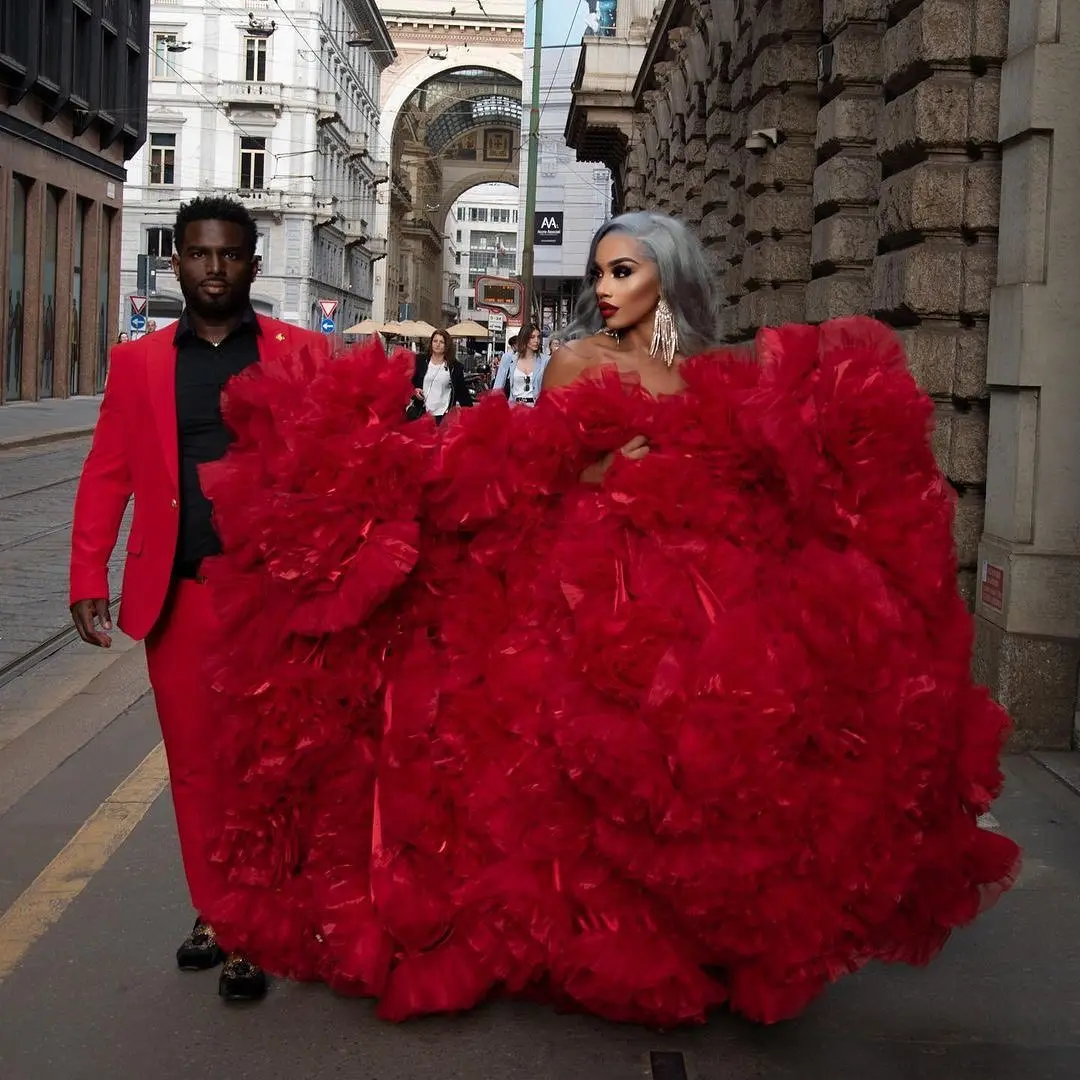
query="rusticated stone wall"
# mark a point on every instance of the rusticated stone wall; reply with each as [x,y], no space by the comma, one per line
[879,195]
[883,192]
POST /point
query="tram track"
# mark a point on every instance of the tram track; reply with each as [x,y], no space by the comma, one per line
[41,652]
[41,487]
[39,535]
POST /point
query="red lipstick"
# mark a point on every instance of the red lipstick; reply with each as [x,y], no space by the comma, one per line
[607,310]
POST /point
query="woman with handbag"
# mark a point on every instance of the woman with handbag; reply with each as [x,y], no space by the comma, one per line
[521,374]
[438,381]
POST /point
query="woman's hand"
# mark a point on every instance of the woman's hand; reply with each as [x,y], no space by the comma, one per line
[635,450]
[418,394]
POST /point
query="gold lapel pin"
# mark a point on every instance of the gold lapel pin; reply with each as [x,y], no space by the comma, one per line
[280,337]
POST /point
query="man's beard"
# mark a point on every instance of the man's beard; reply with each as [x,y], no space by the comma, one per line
[228,304]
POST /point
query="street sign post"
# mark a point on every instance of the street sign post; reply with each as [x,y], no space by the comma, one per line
[328,307]
[137,322]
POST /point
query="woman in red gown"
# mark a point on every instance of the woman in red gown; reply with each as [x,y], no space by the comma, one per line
[650,698]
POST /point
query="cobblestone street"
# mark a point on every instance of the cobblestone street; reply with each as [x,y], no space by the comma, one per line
[37,489]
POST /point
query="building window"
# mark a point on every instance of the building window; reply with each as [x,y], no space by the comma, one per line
[459,236]
[136,88]
[82,217]
[461,213]
[110,61]
[159,242]
[252,163]
[162,60]
[478,213]
[81,55]
[47,368]
[16,308]
[51,42]
[108,11]
[255,59]
[108,215]
[162,159]
[14,32]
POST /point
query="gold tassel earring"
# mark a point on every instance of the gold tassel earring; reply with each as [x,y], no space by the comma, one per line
[665,338]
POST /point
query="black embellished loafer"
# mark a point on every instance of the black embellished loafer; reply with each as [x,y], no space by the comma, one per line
[200,950]
[241,980]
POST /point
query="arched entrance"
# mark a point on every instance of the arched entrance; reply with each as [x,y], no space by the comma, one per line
[454,130]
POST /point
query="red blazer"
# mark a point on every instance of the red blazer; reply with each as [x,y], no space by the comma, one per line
[135,452]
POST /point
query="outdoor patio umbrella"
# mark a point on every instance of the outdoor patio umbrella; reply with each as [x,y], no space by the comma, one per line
[468,328]
[415,328]
[367,326]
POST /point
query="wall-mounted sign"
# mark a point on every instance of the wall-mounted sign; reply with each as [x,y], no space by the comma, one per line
[548,228]
[993,586]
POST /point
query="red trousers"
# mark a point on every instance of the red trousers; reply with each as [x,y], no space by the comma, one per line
[175,653]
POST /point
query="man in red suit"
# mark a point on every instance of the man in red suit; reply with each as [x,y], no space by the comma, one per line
[160,420]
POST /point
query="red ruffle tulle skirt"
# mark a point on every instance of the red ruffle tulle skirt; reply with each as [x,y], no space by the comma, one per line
[703,733]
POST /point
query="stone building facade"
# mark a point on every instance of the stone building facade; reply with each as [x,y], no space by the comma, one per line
[861,156]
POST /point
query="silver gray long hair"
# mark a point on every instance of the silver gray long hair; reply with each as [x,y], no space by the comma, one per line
[686,281]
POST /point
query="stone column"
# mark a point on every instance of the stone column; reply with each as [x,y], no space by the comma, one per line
[774,86]
[937,225]
[1028,605]
[848,175]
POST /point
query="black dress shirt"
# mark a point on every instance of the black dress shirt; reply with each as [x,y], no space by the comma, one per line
[202,370]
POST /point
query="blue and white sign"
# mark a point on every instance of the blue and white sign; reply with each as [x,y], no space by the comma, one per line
[327,326]
[138,323]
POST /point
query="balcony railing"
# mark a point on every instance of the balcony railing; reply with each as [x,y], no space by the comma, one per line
[261,200]
[253,95]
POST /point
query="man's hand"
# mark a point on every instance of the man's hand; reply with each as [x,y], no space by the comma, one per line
[86,613]
[635,450]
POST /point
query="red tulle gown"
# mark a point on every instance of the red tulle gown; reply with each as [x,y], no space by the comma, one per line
[703,733]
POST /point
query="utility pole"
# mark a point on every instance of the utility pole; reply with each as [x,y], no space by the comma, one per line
[534,155]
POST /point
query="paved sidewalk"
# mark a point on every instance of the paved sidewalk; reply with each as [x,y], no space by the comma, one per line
[25,423]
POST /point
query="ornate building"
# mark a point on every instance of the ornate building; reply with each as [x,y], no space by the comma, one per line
[914,160]
[278,108]
[451,112]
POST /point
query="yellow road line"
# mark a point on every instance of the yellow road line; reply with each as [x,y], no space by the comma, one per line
[47,898]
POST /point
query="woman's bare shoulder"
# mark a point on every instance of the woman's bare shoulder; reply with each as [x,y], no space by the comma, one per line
[571,359]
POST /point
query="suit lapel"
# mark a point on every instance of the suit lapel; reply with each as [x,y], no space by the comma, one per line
[161,381]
